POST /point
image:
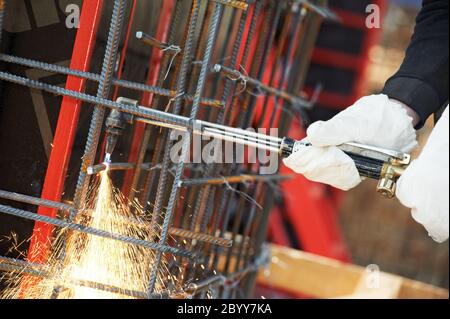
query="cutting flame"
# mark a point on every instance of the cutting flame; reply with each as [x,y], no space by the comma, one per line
[82,258]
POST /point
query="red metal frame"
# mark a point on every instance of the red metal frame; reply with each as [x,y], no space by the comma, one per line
[356,63]
[66,128]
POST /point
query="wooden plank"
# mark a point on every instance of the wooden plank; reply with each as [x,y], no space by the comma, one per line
[307,274]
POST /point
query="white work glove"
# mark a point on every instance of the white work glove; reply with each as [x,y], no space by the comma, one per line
[424,187]
[374,120]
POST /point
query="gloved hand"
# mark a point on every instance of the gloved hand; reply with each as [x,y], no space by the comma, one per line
[374,120]
[424,186]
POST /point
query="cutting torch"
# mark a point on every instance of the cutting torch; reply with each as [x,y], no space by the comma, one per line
[384,165]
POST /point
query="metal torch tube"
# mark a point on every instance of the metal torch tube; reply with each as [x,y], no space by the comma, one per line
[239,131]
[239,137]
[225,133]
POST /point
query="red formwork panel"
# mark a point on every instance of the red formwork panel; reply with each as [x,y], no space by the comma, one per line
[356,62]
[53,187]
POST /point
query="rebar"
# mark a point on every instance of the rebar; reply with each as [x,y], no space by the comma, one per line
[92,231]
[35,201]
[24,267]
[238,76]
[137,111]
[162,76]
[96,78]
[103,91]
[233,180]
[201,237]
[225,207]
[234,3]
[180,167]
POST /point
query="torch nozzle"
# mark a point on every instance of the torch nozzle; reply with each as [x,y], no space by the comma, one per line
[107,158]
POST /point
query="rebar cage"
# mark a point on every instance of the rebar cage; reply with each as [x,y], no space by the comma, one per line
[239,63]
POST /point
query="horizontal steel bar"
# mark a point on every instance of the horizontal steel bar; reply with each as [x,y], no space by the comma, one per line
[35,201]
[231,279]
[149,40]
[234,180]
[21,263]
[234,3]
[238,76]
[137,111]
[24,267]
[92,170]
[96,78]
[93,231]
[218,241]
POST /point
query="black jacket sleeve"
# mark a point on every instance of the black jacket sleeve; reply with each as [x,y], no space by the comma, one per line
[422,82]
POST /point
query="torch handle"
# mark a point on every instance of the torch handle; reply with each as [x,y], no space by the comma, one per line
[367,167]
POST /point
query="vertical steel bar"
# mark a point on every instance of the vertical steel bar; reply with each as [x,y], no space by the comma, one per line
[123,53]
[181,85]
[159,63]
[213,27]
[226,194]
[151,181]
[207,194]
[262,52]
[109,63]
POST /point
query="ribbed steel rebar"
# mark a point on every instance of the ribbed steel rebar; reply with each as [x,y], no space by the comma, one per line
[34,201]
[212,32]
[92,231]
[104,88]
[210,211]
[232,180]
[201,237]
[234,3]
[96,78]
[138,111]
[146,141]
[224,207]
[38,270]
[205,194]
[181,85]
[103,91]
